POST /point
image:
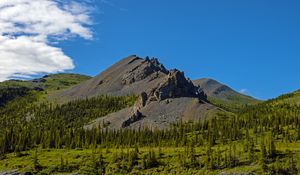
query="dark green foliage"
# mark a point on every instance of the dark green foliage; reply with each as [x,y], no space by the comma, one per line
[10,93]
[93,165]
[133,158]
[26,123]
[289,167]
[251,151]
[150,160]
[35,161]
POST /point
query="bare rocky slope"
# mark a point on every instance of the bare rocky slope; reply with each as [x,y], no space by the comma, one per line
[130,76]
[164,96]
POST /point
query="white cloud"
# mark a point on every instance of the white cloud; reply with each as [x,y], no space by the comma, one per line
[25,56]
[28,29]
[243,91]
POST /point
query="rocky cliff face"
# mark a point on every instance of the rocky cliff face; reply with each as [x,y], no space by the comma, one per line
[173,85]
[130,76]
[164,95]
[134,75]
[145,69]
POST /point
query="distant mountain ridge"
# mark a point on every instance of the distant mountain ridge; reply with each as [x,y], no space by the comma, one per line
[220,94]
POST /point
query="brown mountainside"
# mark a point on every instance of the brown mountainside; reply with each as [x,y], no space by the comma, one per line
[165,96]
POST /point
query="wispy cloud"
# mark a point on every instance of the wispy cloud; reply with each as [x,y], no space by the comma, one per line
[29,29]
[243,91]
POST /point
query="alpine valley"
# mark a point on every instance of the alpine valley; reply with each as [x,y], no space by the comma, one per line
[138,117]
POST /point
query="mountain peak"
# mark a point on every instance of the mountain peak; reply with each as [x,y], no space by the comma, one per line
[134,75]
[147,67]
[163,94]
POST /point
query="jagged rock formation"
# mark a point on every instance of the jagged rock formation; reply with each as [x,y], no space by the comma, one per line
[130,76]
[165,96]
[146,68]
[175,85]
[134,75]
[137,115]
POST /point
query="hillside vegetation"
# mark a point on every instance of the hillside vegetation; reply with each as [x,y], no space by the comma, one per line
[49,82]
[42,136]
[291,98]
[46,138]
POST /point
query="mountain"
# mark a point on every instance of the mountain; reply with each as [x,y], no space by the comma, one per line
[164,96]
[42,136]
[224,96]
[130,76]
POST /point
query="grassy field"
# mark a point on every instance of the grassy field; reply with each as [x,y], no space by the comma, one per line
[52,160]
[49,82]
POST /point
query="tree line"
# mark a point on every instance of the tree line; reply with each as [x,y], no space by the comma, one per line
[27,124]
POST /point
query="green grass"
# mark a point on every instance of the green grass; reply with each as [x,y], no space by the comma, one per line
[50,159]
[49,82]
[235,103]
[290,98]
[62,81]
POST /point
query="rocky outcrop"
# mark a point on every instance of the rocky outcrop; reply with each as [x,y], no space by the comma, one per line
[136,114]
[165,96]
[141,102]
[132,76]
[175,86]
[140,72]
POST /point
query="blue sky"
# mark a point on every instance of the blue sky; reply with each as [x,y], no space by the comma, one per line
[250,45]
